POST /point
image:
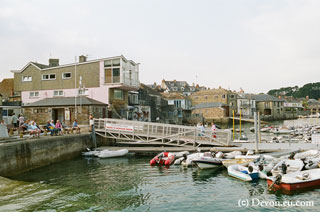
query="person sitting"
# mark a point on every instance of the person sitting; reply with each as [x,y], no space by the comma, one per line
[51,129]
[75,126]
[59,127]
[35,130]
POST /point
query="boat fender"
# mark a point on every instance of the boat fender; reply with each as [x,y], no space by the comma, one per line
[165,154]
[250,169]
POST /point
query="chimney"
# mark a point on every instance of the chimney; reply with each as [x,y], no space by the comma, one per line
[82,59]
[53,62]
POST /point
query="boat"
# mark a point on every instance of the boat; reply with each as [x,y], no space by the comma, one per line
[188,162]
[281,131]
[112,154]
[91,153]
[287,166]
[231,155]
[243,173]
[309,153]
[164,158]
[241,161]
[312,163]
[207,161]
[295,181]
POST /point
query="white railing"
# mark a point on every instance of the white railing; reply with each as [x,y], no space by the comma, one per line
[150,132]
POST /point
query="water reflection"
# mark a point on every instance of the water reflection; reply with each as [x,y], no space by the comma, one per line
[204,175]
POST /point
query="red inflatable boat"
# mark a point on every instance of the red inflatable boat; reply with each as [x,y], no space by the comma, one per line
[164,158]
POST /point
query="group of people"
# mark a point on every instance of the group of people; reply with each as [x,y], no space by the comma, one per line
[32,127]
[56,129]
[201,129]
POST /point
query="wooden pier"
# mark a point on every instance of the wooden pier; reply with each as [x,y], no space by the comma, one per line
[159,133]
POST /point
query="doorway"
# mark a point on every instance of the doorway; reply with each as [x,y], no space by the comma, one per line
[58,114]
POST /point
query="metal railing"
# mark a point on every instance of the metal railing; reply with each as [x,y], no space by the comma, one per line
[158,132]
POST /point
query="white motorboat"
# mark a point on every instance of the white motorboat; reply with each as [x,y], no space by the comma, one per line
[91,153]
[207,161]
[231,155]
[309,153]
[111,154]
[243,173]
[281,131]
[295,181]
[287,166]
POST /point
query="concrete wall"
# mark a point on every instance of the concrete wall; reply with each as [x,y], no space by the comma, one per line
[22,156]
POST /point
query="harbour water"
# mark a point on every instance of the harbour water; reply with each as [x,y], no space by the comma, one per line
[131,184]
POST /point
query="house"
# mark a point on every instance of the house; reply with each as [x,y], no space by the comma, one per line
[106,80]
[178,87]
[246,105]
[63,109]
[292,109]
[270,107]
[212,111]
[314,106]
[219,95]
[182,105]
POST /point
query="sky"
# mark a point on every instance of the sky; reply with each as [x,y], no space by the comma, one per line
[256,45]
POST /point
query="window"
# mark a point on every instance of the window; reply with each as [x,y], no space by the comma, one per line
[223,96]
[182,88]
[48,76]
[205,97]
[174,88]
[232,96]
[112,75]
[57,93]
[66,75]
[112,63]
[26,79]
[118,94]
[34,94]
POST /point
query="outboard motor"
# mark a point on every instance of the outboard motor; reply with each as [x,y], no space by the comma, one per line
[284,168]
[261,167]
[291,156]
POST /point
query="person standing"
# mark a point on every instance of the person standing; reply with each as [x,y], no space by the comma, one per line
[213,130]
[91,128]
[14,120]
[21,120]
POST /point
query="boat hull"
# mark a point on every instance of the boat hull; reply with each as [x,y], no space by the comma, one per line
[207,164]
[294,186]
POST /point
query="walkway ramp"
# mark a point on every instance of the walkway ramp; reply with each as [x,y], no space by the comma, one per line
[165,134]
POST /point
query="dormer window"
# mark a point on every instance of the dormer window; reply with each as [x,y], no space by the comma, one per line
[182,88]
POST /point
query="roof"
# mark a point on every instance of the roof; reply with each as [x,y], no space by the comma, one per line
[173,95]
[209,105]
[64,101]
[6,87]
[39,65]
[43,67]
[149,89]
[266,98]
[213,91]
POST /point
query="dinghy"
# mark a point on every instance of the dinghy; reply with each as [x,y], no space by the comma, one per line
[164,158]
[243,173]
[296,180]
[241,161]
[112,154]
[312,163]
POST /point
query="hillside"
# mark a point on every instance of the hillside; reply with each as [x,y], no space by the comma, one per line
[311,89]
